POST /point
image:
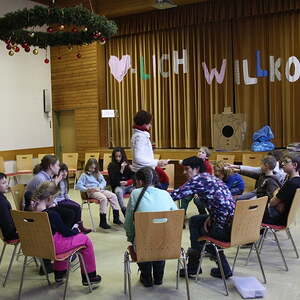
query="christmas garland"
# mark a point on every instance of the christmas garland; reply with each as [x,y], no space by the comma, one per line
[84,27]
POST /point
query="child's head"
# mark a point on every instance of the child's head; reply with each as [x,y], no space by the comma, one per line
[118,155]
[49,163]
[3,183]
[193,166]
[203,153]
[146,176]
[63,171]
[91,166]
[221,171]
[268,163]
[143,118]
[278,154]
[46,192]
[291,163]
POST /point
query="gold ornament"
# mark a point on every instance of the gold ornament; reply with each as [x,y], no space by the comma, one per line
[11,53]
[85,29]
[31,34]
[61,27]
[35,51]
[70,48]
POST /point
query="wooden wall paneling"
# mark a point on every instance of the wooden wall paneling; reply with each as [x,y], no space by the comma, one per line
[11,154]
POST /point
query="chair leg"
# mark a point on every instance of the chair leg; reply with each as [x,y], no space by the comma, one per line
[292,240]
[126,258]
[85,271]
[67,278]
[10,264]
[186,274]
[129,280]
[45,271]
[249,254]
[200,260]
[221,268]
[19,253]
[280,250]
[177,273]
[2,252]
[22,277]
[260,263]
[91,216]
[235,258]
[262,240]
[35,261]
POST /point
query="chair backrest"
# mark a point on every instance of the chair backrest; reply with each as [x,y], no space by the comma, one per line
[41,155]
[156,156]
[71,160]
[294,208]
[2,168]
[253,159]
[89,155]
[24,162]
[170,170]
[106,160]
[34,233]
[226,158]
[18,191]
[247,220]
[158,235]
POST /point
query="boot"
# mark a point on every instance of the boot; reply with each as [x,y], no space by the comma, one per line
[158,271]
[94,278]
[103,223]
[123,211]
[116,217]
[59,276]
[216,272]
[146,276]
[48,266]
[83,229]
[193,263]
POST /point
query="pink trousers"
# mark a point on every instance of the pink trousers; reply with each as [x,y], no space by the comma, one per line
[65,244]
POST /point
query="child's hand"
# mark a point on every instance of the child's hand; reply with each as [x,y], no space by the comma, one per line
[124,164]
[92,190]
[58,179]
[162,163]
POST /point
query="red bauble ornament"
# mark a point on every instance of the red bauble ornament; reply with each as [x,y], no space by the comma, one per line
[27,49]
[46,61]
[25,45]
[50,29]
[17,49]
[74,29]
[78,55]
[8,46]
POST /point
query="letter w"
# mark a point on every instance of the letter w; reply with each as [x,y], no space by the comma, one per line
[209,76]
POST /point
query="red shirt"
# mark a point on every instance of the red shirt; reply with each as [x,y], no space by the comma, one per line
[208,166]
[162,175]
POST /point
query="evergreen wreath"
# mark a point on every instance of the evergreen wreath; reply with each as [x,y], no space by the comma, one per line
[84,27]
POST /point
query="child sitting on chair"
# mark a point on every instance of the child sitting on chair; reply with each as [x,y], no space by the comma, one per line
[266,181]
[63,199]
[147,198]
[234,181]
[6,222]
[93,183]
[65,239]
[120,176]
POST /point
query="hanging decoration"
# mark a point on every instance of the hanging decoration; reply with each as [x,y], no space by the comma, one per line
[65,26]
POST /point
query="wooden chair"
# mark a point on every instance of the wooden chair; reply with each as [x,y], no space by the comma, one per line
[89,155]
[226,158]
[71,160]
[24,164]
[2,168]
[17,192]
[275,228]
[245,229]
[106,161]
[170,170]
[14,243]
[162,241]
[36,240]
